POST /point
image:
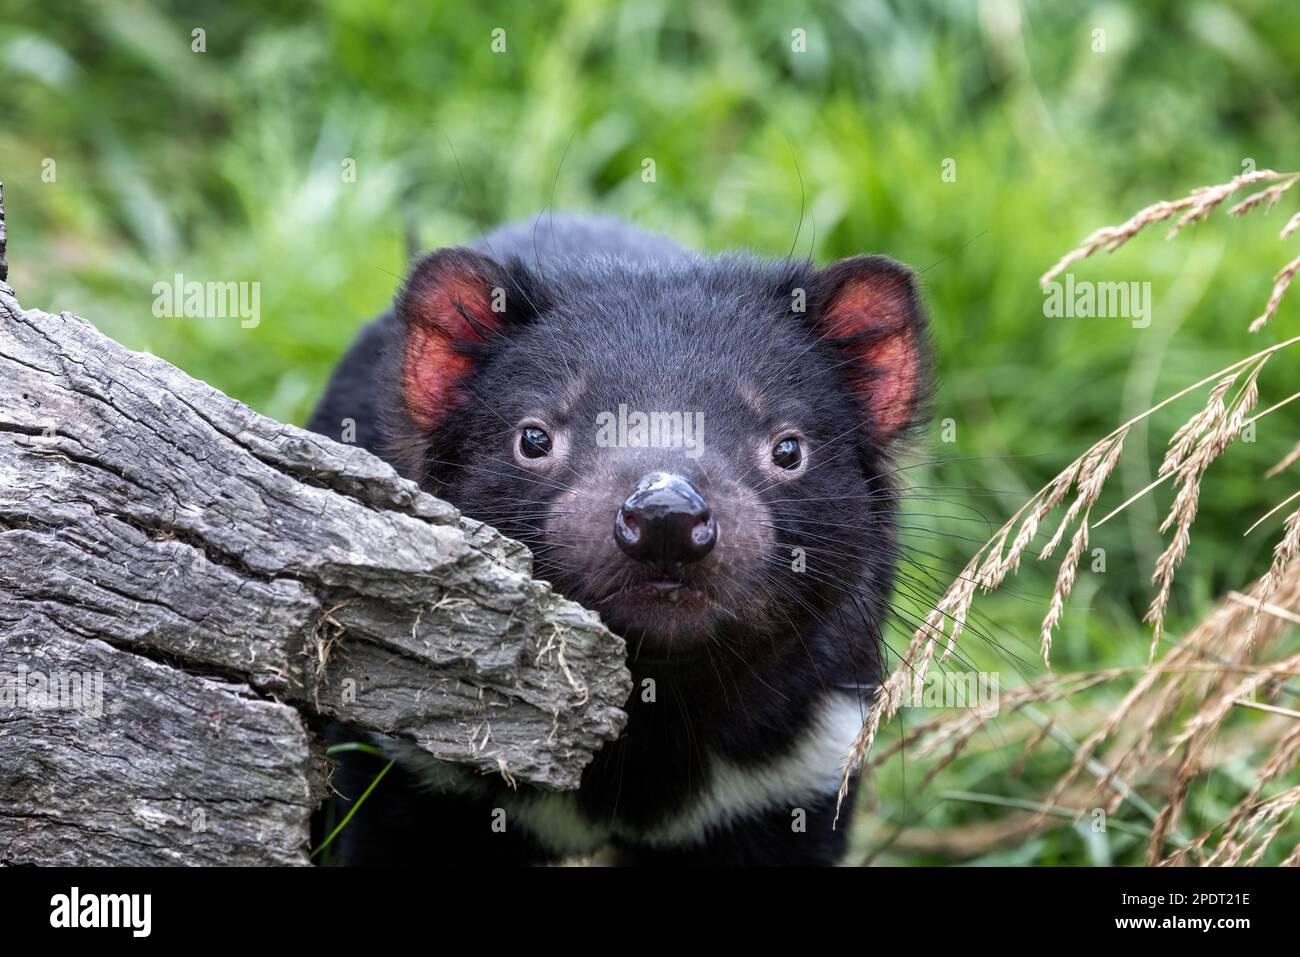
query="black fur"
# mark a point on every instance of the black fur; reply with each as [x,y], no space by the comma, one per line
[600,314]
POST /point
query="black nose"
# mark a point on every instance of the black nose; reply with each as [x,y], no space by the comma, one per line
[665,521]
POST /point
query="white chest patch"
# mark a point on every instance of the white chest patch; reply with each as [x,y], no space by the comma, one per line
[809,770]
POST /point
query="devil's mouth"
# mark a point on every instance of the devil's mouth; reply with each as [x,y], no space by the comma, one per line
[657,591]
[668,588]
[664,586]
[662,615]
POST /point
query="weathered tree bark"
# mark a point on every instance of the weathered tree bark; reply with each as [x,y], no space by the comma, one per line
[237,581]
[4,266]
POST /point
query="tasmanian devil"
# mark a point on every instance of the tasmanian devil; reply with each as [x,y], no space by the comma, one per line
[700,448]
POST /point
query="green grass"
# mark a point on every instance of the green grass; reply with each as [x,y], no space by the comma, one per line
[227,165]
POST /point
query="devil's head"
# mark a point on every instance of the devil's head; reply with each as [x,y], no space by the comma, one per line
[700,449]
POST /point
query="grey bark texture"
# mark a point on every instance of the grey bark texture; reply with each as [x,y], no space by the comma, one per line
[4,265]
[235,582]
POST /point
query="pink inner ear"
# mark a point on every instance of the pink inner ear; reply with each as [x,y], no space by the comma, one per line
[878,309]
[433,366]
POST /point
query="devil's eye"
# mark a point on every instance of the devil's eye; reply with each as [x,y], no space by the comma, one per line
[534,443]
[787,453]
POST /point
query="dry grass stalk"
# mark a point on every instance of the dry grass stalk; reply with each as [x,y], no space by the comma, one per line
[1287,461]
[1291,226]
[1293,859]
[1268,197]
[1183,702]
[1214,668]
[1194,207]
[1283,759]
[1260,828]
[1221,639]
[1284,555]
[1193,447]
[1281,282]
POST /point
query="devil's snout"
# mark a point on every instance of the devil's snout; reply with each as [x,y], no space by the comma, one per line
[665,521]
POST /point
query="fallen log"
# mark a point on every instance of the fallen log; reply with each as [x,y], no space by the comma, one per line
[190,590]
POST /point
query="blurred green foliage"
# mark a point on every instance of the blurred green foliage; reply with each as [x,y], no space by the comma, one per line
[228,165]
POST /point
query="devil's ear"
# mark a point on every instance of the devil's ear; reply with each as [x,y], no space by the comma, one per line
[869,308]
[454,303]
